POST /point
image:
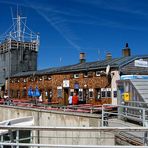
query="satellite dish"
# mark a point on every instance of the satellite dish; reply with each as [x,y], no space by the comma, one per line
[107,69]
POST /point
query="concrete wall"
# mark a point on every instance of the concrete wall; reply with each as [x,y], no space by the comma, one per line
[60,119]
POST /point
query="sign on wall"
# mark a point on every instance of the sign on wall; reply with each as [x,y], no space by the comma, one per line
[76,86]
[141,63]
[65,83]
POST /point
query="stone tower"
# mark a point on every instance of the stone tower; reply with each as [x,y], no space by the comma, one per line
[18,50]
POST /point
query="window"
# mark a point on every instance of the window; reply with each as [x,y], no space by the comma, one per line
[80,94]
[18,94]
[108,94]
[11,81]
[24,93]
[85,74]
[59,91]
[40,78]
[103,94]
[45,77]
[76,75]
[90,93]
[71,92]
[115,94]
[49,77]
[98,94]
[25,80]
[97,73]
[31,79]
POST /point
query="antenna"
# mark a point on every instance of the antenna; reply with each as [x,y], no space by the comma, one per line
[60,60]
[19,30]
[99,55]
[12,15]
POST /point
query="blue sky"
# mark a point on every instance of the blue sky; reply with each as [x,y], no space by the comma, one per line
[68,27]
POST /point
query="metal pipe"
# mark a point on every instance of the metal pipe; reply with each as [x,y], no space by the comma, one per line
[67,146]
[84,129]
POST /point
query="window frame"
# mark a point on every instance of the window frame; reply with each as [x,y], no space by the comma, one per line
[98,74]
[76,75]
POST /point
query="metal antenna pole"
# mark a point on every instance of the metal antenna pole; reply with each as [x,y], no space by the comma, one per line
[19,28]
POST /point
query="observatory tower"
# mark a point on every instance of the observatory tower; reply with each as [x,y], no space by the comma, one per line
[18,49]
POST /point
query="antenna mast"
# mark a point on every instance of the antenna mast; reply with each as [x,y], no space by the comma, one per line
[19,28]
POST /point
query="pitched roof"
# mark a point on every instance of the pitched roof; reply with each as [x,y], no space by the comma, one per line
[97,65]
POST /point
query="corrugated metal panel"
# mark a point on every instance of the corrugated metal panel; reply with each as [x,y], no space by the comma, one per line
[141,86]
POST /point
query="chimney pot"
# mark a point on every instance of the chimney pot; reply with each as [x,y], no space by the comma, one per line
[126,51]
[108,56]
[82,57]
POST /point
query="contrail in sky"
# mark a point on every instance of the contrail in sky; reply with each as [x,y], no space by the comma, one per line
[61,28]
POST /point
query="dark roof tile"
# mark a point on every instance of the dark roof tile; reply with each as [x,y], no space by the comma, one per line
[116,62]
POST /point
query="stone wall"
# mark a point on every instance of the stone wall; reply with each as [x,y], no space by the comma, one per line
[53,81]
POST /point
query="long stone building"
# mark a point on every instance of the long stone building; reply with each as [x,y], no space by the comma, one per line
[95,82]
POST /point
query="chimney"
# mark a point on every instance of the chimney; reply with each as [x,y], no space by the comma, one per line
[82,57]
[126,51]
[108,56]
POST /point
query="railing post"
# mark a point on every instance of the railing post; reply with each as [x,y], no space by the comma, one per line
[145,125]
[17,138]
[2,140]
[143,114]
[102,115]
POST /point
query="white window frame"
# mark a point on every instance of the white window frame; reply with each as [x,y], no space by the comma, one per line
[98,73]
[91,91]
[84,74]
[76,75]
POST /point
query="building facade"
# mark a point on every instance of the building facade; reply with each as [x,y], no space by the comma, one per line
[94,82]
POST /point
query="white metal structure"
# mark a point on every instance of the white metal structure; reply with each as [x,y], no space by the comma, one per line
[20,32]
[40,143]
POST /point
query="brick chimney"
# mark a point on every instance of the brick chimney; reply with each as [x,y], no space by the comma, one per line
[82,57]
[108,56]
[126,51]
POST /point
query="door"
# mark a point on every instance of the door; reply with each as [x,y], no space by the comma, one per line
[85,96]
[66,95]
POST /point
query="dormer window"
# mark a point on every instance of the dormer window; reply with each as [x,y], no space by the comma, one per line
[76,75]
[49,78]
[31,79]
[45,77]
[85,74]
[25,80]
[98,73]
[40,78]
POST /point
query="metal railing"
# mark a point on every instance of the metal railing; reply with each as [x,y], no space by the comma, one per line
[138,114]
[66,136]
